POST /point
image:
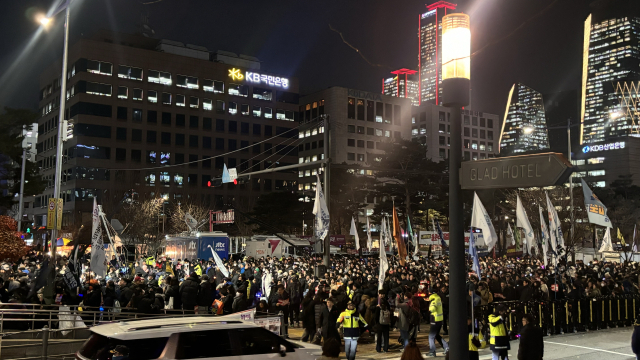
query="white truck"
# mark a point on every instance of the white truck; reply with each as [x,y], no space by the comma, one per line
[269,245]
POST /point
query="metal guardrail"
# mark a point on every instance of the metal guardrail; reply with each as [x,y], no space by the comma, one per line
[568,315]
[29,316]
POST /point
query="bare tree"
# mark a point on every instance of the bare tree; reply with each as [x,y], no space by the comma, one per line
[176,213]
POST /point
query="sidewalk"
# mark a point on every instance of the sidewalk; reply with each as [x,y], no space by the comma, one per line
[367,345]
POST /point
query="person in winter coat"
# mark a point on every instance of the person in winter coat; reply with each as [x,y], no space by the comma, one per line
[381,321]
[239,302]
[328,320]
[437,315]
[189,290]
[531,343]
[403,318]
[205,296]
[173,291]
[110,294]
[126,291]
[308,317]
[295,294]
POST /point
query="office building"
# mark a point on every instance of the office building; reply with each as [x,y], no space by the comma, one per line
[611,55]
[361,123]
[524,128]
[602,163]
[403,84]
[150,114]
[430,124]
[430,51]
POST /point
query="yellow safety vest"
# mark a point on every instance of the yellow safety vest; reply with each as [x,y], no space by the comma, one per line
[435,307]
[351,323]
[150,261]
[496,328]
[198,270]
[249,290]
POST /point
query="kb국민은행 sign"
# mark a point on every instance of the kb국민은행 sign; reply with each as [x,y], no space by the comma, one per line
[537,170]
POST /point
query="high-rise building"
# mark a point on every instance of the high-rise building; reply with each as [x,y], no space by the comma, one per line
[611,54]
[430,51]
[163,118]
[403,84]
[431,125]
[524,127]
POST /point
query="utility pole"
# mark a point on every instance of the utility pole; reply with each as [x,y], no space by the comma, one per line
[327,188]
[21,199]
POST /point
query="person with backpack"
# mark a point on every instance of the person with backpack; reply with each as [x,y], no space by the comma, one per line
[437,316]
[405,312]
[382,322]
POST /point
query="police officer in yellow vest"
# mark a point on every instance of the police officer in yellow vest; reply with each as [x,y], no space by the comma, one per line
[350,320]
[198,269]
[150,261]
[437,315]
[499,342]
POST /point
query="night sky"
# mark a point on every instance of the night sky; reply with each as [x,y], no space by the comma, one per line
[292,38]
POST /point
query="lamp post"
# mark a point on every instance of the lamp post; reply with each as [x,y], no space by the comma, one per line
[59,140]
[456,49]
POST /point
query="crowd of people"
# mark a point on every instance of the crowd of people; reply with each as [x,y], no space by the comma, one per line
[344,300]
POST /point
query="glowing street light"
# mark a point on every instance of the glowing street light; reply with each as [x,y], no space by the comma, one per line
[456,72]
[43,20]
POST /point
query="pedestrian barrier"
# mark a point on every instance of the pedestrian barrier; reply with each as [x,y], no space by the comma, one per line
[568,315]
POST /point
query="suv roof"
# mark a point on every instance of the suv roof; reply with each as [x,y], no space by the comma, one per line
[164,327]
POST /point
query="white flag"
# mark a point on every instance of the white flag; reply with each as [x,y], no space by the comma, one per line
[545,235]
[321,212]
[354,232]
[192,223]
[523,221]
[219,262]
[369,241]
[98,259]
[510,235]
[384,266]
[596,211]
[606,241]
[554,226]
[480,219]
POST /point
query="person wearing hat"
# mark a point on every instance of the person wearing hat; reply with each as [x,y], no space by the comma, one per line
[120,352]
[350,320]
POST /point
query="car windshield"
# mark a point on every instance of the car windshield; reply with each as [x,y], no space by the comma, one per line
[98,347]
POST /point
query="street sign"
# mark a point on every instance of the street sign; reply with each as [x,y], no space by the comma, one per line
[233,174]
[51,213]
[536,170]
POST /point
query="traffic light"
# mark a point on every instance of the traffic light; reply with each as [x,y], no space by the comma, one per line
[214,183]
[67,130]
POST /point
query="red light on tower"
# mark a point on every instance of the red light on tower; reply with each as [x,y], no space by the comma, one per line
[404,72]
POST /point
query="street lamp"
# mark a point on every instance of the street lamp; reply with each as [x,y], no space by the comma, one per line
[49,294]
[456,52]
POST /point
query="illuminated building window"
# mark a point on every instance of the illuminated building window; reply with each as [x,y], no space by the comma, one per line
[123,92]
[213,86]
[178,179]
[187,82]
[159,77]
[180,100]
[596,173]
[238,90]
[137,95]
[262,94]
[233,108]
[194,102]
[166,99]
[351,108]
[129,72]
[152,96]
[98,89]
[257,112]
[99,67]
[244,109]
[280,114]
[207,104]
[268,113]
